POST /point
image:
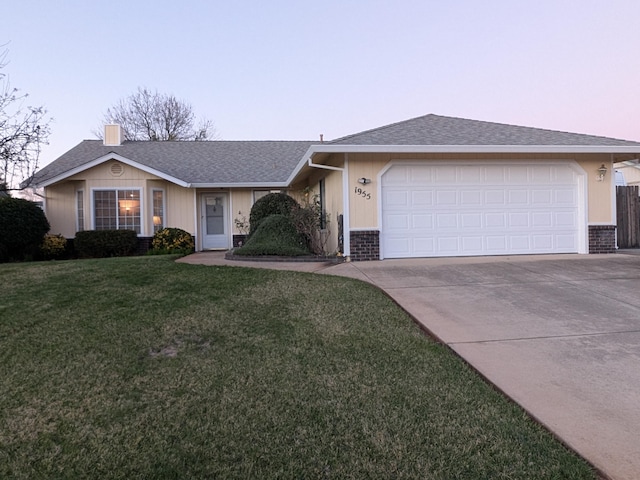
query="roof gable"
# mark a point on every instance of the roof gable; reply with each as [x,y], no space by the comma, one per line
[438,130]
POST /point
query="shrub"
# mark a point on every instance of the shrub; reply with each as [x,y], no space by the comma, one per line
[106,243]
[23,226]
[53,247]
[172,240]
[276,235]
[308,220]
[271,204]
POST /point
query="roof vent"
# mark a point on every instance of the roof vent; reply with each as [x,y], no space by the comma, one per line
[116,169]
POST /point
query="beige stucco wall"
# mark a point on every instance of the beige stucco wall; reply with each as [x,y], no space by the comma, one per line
[363,199]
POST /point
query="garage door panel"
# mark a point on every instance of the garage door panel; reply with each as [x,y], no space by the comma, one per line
[495,220]
[471,197]
[471,220]
[398,221]
[448,210]
[446,220]
[472,245]
[446,197]
[542,243]
[520,197]
[541,197]
[517,174]
[565,196]
[495,197]
[424,246]
[541,219]
[422,197]
[444,175]
[396,198]
[565,219]
[471,175]
[422,221]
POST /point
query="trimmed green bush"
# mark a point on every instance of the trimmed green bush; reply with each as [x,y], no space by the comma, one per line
[23,226]
[106,243]
[172,240]
[271,204]
[276,235]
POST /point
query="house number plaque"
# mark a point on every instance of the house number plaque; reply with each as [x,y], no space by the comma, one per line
[363,193]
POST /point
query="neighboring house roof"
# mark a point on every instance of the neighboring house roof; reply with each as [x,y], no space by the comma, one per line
[438,130]
[193,163]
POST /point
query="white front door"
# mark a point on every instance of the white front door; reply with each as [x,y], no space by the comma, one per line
[214,228]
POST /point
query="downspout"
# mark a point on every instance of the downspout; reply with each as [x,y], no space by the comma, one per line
[345,199]
[195,219]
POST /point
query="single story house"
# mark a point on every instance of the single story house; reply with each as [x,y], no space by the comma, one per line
[426,187]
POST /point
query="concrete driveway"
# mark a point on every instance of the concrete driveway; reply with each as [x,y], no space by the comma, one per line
[558,334]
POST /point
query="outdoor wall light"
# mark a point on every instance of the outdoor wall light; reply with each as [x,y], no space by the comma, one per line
[364,181]
[602,171]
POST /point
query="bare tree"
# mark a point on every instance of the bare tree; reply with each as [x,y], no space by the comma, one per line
[23,130]
[147,115]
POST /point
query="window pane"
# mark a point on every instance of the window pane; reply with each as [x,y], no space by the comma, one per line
[129,210]
[80,210]
[158,210]
[105,209]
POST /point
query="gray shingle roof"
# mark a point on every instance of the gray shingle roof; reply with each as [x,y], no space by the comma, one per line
[272,162]
[216,162]
[438,130]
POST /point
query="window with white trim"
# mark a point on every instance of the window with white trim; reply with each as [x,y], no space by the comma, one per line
[257,194]
[158,210]
[79,211]
[323,204]
[117,210]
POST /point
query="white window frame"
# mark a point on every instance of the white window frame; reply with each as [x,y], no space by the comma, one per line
[153,207]
[140,191]
[80,194]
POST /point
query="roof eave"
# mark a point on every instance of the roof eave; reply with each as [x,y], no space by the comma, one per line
[240,185]
[105,158]
[474,149]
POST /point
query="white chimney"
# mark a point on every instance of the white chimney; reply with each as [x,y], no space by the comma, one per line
[113,135]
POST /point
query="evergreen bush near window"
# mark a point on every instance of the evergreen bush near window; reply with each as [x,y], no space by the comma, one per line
[23,226]
[106,243]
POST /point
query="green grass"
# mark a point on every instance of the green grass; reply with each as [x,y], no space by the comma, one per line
[144,368]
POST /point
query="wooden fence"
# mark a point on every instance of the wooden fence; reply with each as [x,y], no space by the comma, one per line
[628,213]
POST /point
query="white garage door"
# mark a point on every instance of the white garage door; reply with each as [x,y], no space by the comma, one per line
[460,210]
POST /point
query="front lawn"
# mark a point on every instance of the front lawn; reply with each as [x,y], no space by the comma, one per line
[144,368]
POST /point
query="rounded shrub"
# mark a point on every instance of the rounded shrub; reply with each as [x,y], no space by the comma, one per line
[23,226]
[271,204]
[276,235]
[53,247]
[172,240]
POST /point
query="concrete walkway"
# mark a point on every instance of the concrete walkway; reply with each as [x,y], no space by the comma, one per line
[560,334]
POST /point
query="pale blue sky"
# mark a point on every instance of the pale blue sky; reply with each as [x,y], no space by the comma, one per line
[285,69]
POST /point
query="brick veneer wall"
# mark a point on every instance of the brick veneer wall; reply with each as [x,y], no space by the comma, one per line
[602,238]
[365,245]
[144,245]
[239,239]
